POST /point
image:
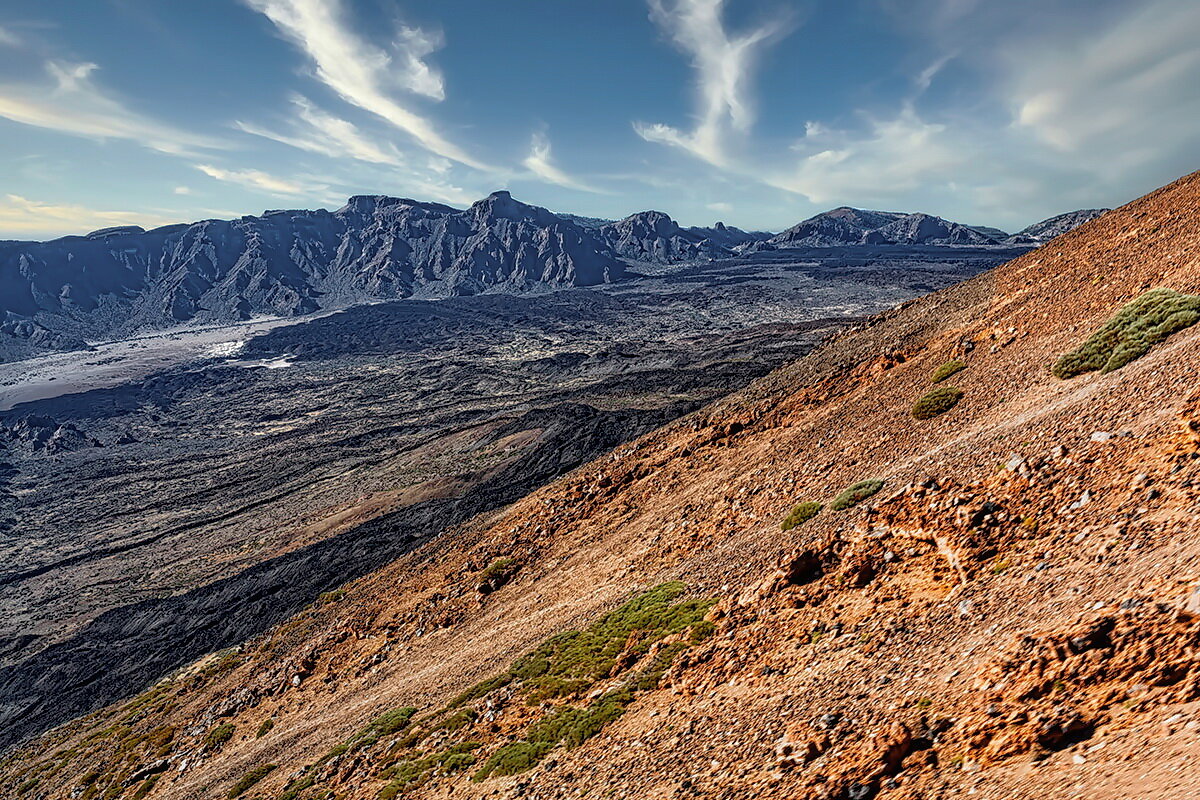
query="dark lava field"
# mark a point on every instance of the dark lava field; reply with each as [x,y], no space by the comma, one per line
[145,524]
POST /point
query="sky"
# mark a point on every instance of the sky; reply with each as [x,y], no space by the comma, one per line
[758,113]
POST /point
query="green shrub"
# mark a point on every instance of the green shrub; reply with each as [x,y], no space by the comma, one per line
[459,720]
[936,402]
[146,786]
[481,689]
[800,514]
[249,779]
[325,598]
[946,370]
[855,494]
[572,661]
[413,772]
[499,569]
[1131,332]
[293,789]
[512,758]
[219,735]
[265,728]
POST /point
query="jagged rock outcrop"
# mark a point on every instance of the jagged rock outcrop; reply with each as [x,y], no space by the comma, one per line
[1042,232]
[730,237]
[853,226]
[653,237]
[288,262]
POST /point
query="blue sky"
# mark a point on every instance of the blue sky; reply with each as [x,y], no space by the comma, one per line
[756,112]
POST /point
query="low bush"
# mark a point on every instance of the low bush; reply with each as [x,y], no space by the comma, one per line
[512,759]
[334,596]
[1131,332]
[800,514]
[946,370]
[249,779]
[412,772]
[219,735]
[937,402]
[265,728]
[855,494]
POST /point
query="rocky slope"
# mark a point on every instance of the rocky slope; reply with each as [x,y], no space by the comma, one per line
[52,294]
[1042,232]
[1012,613]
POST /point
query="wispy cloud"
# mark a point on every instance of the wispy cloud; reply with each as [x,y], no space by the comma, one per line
[317,131]
[184,190]
[8,38]
[1116,98]
[540,164]
[69,101]
[363,74]
[20,216]
[260,181]
[724,64]
[888,159]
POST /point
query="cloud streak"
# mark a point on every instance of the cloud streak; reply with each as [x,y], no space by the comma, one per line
[540,164]
[724,65]
[317,131]
[69,101]
[260,181]
[363,74]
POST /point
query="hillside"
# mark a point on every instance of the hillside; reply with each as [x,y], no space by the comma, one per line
[1012,614]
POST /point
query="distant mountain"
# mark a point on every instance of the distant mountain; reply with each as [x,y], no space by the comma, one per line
[1047,229]
[852,226]
[730,237]
[653,237]
[52,294]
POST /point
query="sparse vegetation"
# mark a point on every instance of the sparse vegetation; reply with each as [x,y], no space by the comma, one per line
[500,568]
[146,787]
[250,779]
[800,514]
[219,735]
[411,773]
[265,728]
[937,402]
[855,494]
[571,662]
[458,720]
[324,598]
[946,370]
[1131,332]
[512,758]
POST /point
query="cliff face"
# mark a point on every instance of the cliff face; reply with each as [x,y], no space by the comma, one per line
[289,263]
[1010,613]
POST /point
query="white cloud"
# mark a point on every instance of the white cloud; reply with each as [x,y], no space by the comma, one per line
[316,131]
[540,164]
[363,74]
[260,181]
[20,216]
[723,208]
[70,102]
[1117,98]
[724,65]
[890,158]
[8,39]
[184,190]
